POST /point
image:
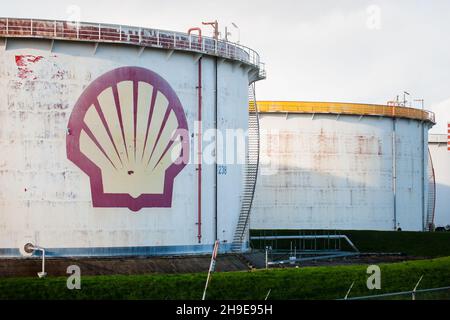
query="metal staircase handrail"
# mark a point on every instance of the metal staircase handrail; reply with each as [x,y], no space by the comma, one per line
[251,172]
[431,194]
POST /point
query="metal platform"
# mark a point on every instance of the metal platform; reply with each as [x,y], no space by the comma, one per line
[308,247]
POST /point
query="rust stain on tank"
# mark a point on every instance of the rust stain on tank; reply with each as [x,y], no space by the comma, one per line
[23,62]
[287,140]
[368,145]
[328,143]
[327,147]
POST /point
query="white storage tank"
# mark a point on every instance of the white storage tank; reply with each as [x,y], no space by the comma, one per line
[99,138]
[342,166]
[440,154]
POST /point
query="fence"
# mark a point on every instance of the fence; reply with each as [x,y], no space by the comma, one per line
[422,294]
[145,37]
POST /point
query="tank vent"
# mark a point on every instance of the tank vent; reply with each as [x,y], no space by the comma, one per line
[431,194]
[250,173]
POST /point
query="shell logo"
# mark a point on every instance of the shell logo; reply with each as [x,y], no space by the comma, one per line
[128,133]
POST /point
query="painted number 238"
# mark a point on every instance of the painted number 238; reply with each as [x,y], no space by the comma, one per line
[222,170]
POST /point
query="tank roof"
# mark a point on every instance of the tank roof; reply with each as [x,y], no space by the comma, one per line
[142,37]
[307,107]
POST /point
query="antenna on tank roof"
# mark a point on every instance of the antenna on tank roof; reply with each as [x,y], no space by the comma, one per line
[239,31]
[227,33]
[404,98]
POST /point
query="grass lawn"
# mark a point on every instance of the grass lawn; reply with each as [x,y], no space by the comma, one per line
[301,283]
[421,244]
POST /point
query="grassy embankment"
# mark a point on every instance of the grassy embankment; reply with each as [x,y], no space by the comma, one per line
[302,283]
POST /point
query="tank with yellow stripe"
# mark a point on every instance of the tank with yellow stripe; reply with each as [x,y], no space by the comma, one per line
[360,109]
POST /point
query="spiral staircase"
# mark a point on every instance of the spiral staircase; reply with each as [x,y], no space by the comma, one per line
[250,173]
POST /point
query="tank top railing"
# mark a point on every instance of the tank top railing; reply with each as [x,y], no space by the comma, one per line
[346,108]
[84,31]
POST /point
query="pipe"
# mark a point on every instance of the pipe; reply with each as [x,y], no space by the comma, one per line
[215,26]
[314,237]
[424,224]
[331,256]
[199,34]
[199,152]
[30,247]
[394,168]
[196,29]
[216,153]
[42,274]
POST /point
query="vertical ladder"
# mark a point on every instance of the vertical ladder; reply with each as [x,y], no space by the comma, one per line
[431,194]
[250,172]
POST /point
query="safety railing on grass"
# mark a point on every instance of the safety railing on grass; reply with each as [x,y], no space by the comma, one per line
[421,294]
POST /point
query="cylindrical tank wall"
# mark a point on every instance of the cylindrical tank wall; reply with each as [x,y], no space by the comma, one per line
[328,171]
[440,155]
[46,199]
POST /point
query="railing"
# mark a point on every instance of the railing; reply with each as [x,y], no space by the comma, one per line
[262,70]
[84,31]
[438,138]
[346,108]
[421,294]
[251,172]
[431,203]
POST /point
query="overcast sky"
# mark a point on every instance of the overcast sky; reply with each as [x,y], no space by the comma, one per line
[325,50]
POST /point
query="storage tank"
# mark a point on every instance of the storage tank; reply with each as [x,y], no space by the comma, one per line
[342,166]
[440,154]
[100,132]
